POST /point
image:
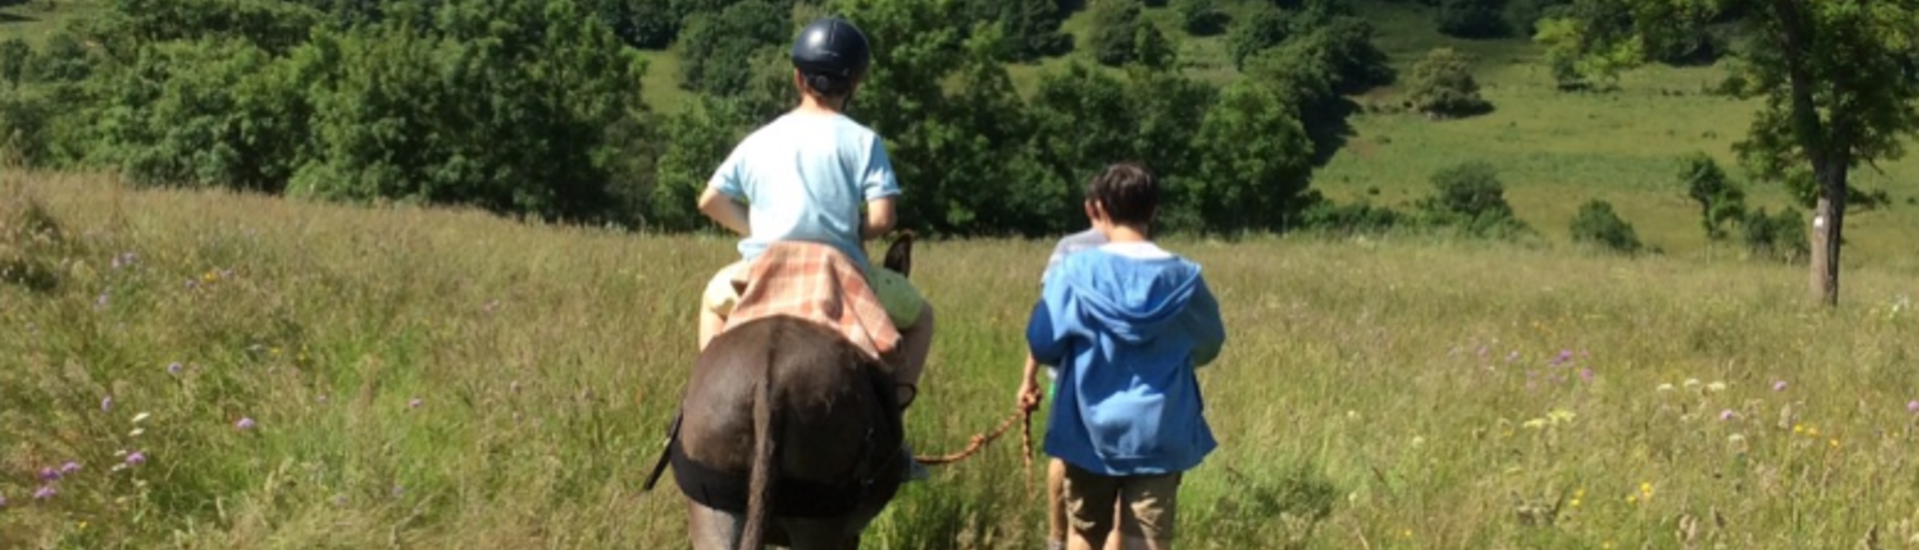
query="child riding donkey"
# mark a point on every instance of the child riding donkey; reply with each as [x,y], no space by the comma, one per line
[804,178]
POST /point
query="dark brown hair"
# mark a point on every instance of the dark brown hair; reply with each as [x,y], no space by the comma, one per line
[1128,192]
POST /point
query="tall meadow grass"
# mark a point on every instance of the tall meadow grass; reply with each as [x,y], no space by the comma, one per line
[319,376]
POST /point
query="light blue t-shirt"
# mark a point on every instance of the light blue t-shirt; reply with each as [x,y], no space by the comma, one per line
[805,177]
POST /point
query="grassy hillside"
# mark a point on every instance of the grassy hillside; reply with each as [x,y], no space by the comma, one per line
[447,379]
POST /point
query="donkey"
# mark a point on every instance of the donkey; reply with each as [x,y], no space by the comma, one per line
[788,435]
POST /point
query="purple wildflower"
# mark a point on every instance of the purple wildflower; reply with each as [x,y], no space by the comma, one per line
[1564,356]
[174,368]
[1779,385]
[1912,406]
[49,474]
[1586,374]
[44,492]
[1725,415]
[414,403]
[136,458]
[106,404]
[69,468]
[3,501]
[245,423]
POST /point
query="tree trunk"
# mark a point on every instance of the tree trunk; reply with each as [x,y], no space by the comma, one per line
[1827,220]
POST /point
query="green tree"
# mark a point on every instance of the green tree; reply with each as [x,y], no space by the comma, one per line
[505,105]
[62,59]
[1115,25]
[1838,87]
[274,25]
[1471,18]
[1201,17]
[1721,201]
[1255,161]
[1597,224]
[1442,85]
[14,56]
[713,46]
[698,140]
[1266,27]
[222,113]
[1031,26]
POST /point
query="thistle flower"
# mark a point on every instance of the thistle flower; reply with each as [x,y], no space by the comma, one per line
[69,468]
[245,423]
[106,404]
[44,492]
[1725,415]
[414,403]
[174,368]
[49,474]
[136,458]
[1779,385]
[1912,406]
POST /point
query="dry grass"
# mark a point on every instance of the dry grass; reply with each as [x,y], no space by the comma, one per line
[1366,398]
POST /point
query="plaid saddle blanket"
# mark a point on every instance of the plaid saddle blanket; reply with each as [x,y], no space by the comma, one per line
[818,283]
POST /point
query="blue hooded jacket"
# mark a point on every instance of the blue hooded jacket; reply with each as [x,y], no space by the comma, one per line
[1128,324]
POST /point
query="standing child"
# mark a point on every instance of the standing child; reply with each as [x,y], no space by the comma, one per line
[1030,400]
[1127,323]
[804,177]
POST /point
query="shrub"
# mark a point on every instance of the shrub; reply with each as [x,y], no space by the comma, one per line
[1469,197]
[1597,224]
[1264,29]
[1349,219]
[1471,19]
[1116,25]
[1201,17]
[1442,86]
[1780,237]
[1721,202]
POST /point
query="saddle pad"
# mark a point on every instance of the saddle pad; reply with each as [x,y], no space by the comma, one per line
[817,282]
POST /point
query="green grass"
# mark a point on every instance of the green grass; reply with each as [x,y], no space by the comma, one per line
[1366,380]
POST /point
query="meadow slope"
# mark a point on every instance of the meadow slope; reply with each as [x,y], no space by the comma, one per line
[298,375]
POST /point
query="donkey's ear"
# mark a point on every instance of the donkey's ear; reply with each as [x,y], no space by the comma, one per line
[899,255]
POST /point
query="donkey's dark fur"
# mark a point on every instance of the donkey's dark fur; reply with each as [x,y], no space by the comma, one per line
[782,400]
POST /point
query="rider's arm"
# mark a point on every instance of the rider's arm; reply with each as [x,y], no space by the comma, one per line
[725,211]
[880,217]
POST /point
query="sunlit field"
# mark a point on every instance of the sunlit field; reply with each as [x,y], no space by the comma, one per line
[206,370]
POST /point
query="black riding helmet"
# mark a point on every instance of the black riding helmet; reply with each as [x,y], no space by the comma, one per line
[831,48]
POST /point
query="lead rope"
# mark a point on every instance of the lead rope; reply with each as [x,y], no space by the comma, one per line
[979,441]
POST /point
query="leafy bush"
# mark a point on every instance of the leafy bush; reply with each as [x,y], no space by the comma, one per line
[1442,86]
[15,54]
[1780,237]
[1265,28]
[223,113]
[63,59]
[1201,17]
[1597,224]
[1470,198]
[1721,201]
[1349,219]
[1471,18]
[715,46]
[1256,159]
[1115,25]
[519,98]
